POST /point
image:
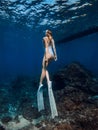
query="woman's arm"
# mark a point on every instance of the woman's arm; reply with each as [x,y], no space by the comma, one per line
[54,49]
[44,42]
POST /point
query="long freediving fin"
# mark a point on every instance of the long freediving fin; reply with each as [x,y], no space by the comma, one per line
[40,100]
[52,101]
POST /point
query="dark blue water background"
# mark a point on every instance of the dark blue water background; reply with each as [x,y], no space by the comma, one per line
[21,52]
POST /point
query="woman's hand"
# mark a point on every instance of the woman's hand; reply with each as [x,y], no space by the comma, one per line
[55,58]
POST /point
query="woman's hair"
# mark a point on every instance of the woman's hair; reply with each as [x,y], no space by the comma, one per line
[49,32]
[49,35]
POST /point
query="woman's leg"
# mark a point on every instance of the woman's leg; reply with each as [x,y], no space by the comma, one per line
[43,74]
[47,76]
[47,73]
[44,71]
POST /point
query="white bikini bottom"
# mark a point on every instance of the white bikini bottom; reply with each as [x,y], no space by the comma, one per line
[50,50]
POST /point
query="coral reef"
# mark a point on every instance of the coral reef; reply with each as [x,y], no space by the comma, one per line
[1,127]
[76,75]
[76,94]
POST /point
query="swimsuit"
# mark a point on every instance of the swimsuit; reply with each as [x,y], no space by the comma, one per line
[50,50]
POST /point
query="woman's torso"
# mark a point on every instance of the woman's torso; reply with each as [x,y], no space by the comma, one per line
[48,42]
[48,47]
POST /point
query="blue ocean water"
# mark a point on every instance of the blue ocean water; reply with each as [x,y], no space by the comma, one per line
[22,27]
[74,24]
[21,52]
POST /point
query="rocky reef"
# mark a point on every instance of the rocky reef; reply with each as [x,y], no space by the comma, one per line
[76,94]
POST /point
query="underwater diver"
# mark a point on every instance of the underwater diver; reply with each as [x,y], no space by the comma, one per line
[49,55]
